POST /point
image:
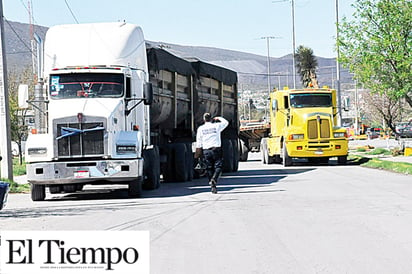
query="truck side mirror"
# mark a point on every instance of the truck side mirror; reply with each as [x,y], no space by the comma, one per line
[274,105]
[23,96]
[346,103]
[148,93]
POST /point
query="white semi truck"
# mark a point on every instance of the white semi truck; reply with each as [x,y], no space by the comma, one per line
[119,113]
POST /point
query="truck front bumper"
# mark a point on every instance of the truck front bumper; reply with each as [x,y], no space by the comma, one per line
[304,149]
[51,173]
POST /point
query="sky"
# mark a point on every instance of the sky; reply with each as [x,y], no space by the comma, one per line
[228,24]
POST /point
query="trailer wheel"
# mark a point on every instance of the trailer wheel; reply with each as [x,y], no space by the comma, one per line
[38,192]
[227,155]
[287,160]
[264,151]
[243,151]
[189,161]
[151,168]
[135,187]
[167,169]
[181,170]
[235,145]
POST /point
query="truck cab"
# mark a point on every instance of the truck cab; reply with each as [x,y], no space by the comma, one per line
[303,124]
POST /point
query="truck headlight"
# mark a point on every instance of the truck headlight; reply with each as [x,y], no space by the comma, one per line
[339,134]
[125,149]
[37,151]
[296,136]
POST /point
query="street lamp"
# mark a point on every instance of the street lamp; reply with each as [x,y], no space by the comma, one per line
[268,63]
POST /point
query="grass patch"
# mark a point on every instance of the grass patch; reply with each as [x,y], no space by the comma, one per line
[400,167]
[18,169]
[379,151]
[17,188]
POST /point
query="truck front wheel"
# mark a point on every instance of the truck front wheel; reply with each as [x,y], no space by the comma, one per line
[135,187]
[38,192]
[287,160]
[342,159]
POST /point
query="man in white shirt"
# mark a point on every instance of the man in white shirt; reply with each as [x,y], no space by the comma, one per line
[208,139]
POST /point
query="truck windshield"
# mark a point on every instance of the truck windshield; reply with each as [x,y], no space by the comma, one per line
[86,85]
[304,100]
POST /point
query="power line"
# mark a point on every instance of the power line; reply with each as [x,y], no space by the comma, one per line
[67,4]
[18,36]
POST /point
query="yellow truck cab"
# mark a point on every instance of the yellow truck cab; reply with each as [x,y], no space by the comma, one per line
[303,124]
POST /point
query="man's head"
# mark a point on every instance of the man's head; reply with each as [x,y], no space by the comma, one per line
[207,117]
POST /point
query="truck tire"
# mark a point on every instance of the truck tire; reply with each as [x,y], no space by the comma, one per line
[235,145]
[189,161]
[227,155]
[243,151]
[264,151]
[135,187]
[168,169]
[180,163]
[55,189]
[38,192]
[151,168]
[342,160]
[69,188]
[287,160]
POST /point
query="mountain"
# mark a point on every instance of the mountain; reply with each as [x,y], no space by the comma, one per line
[251,68]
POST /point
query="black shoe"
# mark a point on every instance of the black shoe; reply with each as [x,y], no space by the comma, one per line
[214,189]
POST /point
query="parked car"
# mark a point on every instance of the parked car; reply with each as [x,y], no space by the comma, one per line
[373,133]
[404,129]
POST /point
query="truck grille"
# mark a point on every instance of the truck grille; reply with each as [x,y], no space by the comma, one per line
[318,128]
[82,143]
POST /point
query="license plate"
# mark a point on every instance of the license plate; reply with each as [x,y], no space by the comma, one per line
[81,174]
[319,152]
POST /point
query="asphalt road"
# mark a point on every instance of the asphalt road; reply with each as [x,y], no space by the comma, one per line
[265,219]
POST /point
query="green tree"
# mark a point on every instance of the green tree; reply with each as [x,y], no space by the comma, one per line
[18,116]
[306,63]
[376,46]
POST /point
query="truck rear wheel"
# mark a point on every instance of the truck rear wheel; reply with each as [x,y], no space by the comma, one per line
[243,151]
[38,192]
[135,187]
[235,154]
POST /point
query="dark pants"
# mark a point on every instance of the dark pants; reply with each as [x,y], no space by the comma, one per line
[214,161]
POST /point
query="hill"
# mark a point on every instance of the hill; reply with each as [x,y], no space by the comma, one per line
[251,68]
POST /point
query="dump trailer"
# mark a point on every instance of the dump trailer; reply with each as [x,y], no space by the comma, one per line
[303,124]
[183,91]
[119,113]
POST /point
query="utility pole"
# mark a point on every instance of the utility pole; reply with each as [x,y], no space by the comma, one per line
[338,95]
[294,44]
[6,170]
[293,39]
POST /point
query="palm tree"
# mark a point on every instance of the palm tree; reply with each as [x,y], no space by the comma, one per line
[306,64]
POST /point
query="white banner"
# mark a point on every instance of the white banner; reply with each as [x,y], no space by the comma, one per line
[64,252]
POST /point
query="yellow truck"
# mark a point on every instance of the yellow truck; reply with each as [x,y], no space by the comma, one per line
[303,124]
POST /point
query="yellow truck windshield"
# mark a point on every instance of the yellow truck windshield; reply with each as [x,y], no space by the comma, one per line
[304,100]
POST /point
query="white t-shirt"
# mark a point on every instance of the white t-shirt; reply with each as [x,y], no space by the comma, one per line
[208,134]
